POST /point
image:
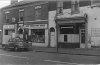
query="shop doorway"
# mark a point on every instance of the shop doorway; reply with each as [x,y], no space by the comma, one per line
[52,37]
[82,38]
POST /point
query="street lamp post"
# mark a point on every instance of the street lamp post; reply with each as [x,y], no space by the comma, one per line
[56,35]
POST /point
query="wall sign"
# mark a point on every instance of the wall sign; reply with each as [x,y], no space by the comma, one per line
[37,7]
[8,26]
[36,26]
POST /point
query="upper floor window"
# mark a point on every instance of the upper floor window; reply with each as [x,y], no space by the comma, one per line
[21,15]
[6,15]
[7,20]
[37,12]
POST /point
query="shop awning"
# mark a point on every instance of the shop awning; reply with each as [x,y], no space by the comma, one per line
[71,20]
[36,22]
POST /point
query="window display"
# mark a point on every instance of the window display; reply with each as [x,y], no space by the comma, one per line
[9,32]
[38,35]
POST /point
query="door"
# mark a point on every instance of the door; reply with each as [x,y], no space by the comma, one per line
[52,37]
[82,38]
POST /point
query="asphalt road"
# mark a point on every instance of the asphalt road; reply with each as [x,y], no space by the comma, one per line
[43,58]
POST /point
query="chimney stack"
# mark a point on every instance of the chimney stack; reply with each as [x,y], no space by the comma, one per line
[14,1]
[75,7]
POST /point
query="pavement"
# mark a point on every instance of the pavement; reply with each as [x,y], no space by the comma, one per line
[74,51]
[77,51]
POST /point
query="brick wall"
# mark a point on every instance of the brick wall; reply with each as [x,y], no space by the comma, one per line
[29,13]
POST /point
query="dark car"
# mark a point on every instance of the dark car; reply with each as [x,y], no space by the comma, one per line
[17,44]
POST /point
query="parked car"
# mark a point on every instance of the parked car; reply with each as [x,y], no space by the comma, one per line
[17,44]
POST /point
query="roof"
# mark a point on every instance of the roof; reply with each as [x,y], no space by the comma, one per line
[21,3]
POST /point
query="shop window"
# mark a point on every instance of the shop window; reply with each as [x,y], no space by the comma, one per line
[67,29]
[9,32]
[38,35]
[6,32]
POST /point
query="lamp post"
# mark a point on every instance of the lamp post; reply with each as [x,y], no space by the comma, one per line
[56,35]
[86,30]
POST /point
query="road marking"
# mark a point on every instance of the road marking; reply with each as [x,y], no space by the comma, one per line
[60,62]
[13,56]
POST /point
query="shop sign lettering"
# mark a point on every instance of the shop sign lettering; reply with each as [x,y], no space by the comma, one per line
[37,7]
[36,26]
[8,26]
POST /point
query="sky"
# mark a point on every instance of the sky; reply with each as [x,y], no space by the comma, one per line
[4,3]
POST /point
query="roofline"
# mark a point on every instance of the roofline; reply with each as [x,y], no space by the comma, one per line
[10,7]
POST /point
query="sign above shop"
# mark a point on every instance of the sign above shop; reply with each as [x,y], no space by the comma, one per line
[37,7]
[71,21]
[36,26]
[8,26]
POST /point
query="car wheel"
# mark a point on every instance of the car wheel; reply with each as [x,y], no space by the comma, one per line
[16,48]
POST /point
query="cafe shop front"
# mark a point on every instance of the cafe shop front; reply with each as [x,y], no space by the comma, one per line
[71,32]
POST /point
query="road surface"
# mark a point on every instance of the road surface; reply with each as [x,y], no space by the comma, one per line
[43,58]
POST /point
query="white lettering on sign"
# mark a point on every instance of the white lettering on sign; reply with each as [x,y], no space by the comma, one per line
[8,26]
[37,7]
[36,26]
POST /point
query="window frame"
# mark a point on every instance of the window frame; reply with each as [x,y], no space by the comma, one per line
[35,36]
[6,16]
[6,32]
[38,10]
[21,15]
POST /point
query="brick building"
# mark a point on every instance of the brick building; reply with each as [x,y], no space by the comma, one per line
[33,16]
[38,19]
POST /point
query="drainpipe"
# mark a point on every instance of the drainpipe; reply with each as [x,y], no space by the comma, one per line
[86,31]
[56,35]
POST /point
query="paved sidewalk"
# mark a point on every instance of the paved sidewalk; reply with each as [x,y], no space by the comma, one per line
[87,52]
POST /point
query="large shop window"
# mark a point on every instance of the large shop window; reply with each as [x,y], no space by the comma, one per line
[9,32]
[38,35]
[69,29]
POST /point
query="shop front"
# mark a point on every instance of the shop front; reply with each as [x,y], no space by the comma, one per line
[38,34]
[71,32]
[8,30]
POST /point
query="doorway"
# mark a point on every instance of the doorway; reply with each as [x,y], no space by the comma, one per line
[52,37]
[82,38]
